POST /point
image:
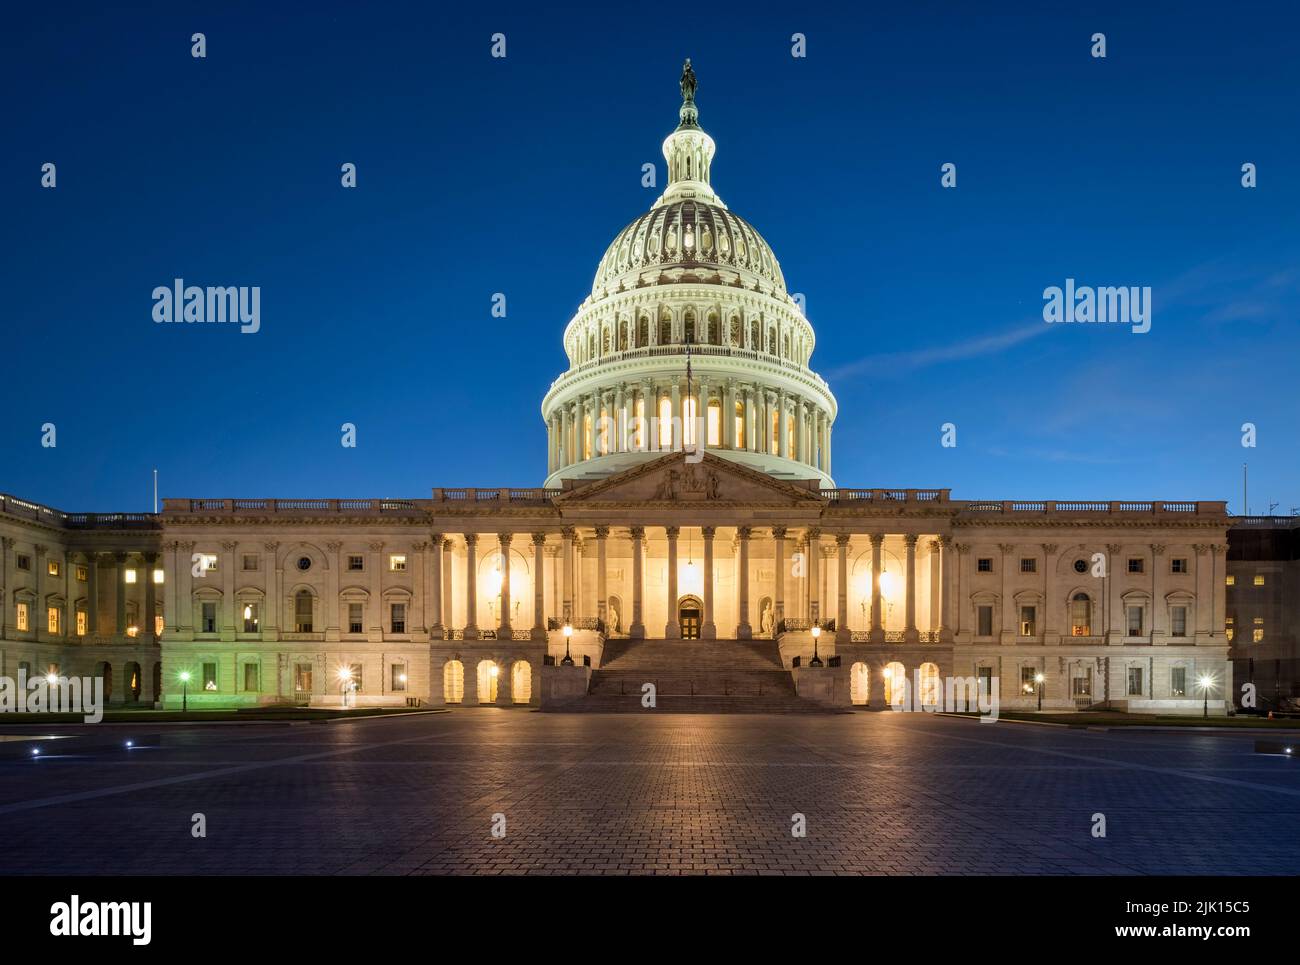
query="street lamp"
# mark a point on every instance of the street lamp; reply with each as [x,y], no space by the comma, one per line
[185,691]
[1038,681]
[345,675]
[1206,681]
[568,633]
[816,661]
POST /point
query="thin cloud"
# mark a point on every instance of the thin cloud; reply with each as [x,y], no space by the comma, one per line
[897,363]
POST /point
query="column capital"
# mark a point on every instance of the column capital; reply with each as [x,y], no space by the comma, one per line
[539,539]
[377,545]
[778,532]
[744,532]
[709,531]
[270,546]
[602,532]
[1158,549]
[636,532]
[436,538]
[505,539]
[1006,548]
[672,531]
[842,539]
[229,545]
[567,532]
[149,557]
[119,558]
[471,539]
[910,539]
[1114,549]
[1050,548]
[877,540]
[814,533]
[334,546]
[419,546]
[553,551]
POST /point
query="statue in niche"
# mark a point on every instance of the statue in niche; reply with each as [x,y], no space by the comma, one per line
[615,621]
[765,622]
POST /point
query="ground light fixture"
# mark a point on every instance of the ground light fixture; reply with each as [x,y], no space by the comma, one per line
[1038,685]
[345,675]
[1206,682]
[816,660]
[185,690]
[568,634]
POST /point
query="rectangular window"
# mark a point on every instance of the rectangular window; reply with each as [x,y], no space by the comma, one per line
[398,677]
[984,564]
[82,573]
[24,619]
[985,628]
[24,562]
[209,618]
[1259,579]
[985,675]
[1178,621]
[250,561]
[354,618]
[52,619]
[129,576]
[397,563]
[1134,621]
[1028,684]
[356,677]
[1081,683]
[1029,564]
[209,676]
[397,617]
[252,618]
[52,567]
[1177,681]
[1137,565]
[1257,634]
[158,625]
[158,576]
[1028,621]
[1230,581]
[251,673]
[81,623]
[356,563]
[302,678]
[1178,565]
[1135,681]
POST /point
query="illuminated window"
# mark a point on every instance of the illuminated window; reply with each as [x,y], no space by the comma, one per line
[82,623]
[453,682]
[774,432]
[355,677]
[158,625]
[1258,633]
[52,619]
[665,422]
[397,677]
[397,563]
[521,682]
[209,676]
[252,618]
[895,677]
[52,567]
[1028,621]
[688,421]
[82,573]
[714,436]
[129,575]
[1028,684]
[487,682]
[859,683]
[1081,615]
[1259,579]
[302,678]
[1231,581]
[638,424]
[1081,682]
[23,616]
[740,426]
[158,576]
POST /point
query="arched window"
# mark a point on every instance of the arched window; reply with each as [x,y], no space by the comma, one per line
[521,682]
[487,682]
[740,425]
[302,611]
[895,676]
[665,331]
[715,337]
[689,329]
[930,689]
[453,681]
[643,332]
[859,683]
[1081,615]
[665,422]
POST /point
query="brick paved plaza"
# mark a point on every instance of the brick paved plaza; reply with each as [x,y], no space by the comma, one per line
[654,793]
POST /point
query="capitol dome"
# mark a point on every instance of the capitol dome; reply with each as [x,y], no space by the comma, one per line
[689,339]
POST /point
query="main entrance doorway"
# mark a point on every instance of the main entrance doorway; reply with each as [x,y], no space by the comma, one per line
[688,616]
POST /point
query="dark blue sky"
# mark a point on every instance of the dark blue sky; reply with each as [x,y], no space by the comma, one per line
[479,175]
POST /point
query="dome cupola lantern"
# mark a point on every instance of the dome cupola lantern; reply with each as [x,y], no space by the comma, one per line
[688,281]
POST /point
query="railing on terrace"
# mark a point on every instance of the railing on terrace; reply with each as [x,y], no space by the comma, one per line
[234,506]
[1265,522]
[495,495]
[25,509]
[1050,506]
[886,495]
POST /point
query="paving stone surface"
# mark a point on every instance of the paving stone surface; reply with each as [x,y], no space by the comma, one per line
[881,794]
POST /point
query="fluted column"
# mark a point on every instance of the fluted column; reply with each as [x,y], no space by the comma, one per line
[92,591]
[799,430]
[877,624]
[556,610]
[621,418]
[637,630]
[539,587]
[448,575]
[744,630]
[564,436]
[729,416]
[910,634]
[602,559]
[120,622]
[673,629]
[505,631]
[579,431]
[435,588]
[567,615]
[778,577]
[148,625]
[471,589]
[842,632]
[709,629]
[814,558]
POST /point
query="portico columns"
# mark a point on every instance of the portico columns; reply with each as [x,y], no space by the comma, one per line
[910,634]
[435,588]
[637,630]
[120,625]
[602,595]
[471,588]
[709,631]
[842,632]
[877,625]
[814,552]
[673,629]
[505,631]
[567,614]
[778,603]
[743,629]
[539,587]
[148,623]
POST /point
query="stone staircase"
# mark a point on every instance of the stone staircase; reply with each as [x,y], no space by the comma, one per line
[692,676]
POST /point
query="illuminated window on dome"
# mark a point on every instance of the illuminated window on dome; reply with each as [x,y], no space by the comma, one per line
[665,423]
[715,423]
[740,426]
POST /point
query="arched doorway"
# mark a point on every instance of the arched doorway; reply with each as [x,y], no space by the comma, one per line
[930,689]
[521,682]
[859,683]
[487,682]
[133,682]
[453,682]
[895,675]
[690,613]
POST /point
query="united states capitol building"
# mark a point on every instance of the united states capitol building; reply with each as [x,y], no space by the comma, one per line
[689,532]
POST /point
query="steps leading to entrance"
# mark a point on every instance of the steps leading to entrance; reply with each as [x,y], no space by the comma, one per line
[692,676]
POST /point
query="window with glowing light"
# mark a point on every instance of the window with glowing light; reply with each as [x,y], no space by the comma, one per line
[1177,681]
[252,617]
[1081,615]
[895,677]
[52,567]
[129,575]
[397,677]
[1028,683]
[52,619]
[397,563]
[859,683]
[209,677]
[302,679]
[23,616]
[453,682]
[665,422]
[81,623]
[714,433]
[82,573]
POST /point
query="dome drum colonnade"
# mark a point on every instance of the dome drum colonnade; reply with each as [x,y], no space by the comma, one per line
[689,281]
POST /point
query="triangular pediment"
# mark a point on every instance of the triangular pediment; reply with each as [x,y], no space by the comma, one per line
[680,478]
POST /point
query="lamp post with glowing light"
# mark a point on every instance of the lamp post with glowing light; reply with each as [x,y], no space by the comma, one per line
[568,633]
[1038,685]
[1206,681]
[185,690]
[345,677]
[816,661]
